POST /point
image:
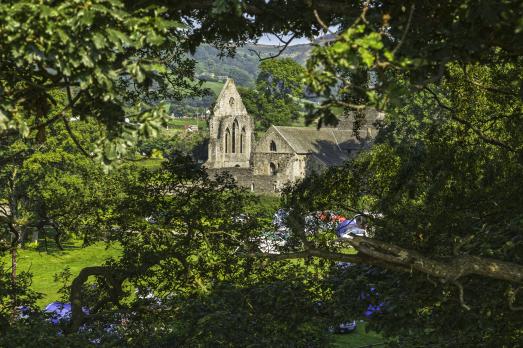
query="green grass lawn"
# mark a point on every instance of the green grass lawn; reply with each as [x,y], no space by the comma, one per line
[149,163]
[44,265]
[358,338]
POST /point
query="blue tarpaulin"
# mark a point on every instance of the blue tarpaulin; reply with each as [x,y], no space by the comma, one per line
[60,311]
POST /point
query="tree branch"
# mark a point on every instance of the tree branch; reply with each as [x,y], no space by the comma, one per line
[461,297]
[77,316]
[390,256]
[404,35]
[75,139]
[512,294]
[321,22]
[451,268]
[485,87]
[61,114]
[285,45]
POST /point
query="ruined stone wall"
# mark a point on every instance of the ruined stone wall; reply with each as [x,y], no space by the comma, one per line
[269,164]
[245,178]
[230,131]
[272,155]
[279,144]
[231,141]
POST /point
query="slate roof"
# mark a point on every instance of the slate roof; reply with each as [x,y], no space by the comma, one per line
[329,145]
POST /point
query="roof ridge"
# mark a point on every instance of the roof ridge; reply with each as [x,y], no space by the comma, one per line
[228,81]
[284,138]
[304,128]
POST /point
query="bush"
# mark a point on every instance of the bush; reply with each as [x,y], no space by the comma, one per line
[272,314]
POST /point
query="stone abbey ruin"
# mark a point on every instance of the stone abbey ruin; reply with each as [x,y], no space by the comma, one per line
[282,154]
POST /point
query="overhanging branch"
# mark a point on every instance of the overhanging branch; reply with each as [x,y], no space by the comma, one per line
[281,49]
[77,314]
[395,258]
[450,269]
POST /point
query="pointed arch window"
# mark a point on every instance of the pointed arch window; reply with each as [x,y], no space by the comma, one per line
[234,135]
[227,140]
[272,146]
[242,139]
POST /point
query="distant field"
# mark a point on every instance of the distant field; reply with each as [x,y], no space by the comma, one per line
[216,87]
[180,123]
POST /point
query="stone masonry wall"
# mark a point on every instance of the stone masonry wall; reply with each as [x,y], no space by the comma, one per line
[245,178]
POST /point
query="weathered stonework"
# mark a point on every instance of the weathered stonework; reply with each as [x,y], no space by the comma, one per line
[230,131]
[282,155]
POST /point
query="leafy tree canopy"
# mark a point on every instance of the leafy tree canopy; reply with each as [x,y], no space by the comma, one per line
[440,189]
[440,192]
[114,65]
[276,97]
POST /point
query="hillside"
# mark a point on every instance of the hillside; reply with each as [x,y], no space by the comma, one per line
[243,68]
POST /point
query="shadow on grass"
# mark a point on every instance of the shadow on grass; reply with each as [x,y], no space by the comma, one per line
[50,247]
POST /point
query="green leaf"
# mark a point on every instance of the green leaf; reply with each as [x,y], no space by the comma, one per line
[366,56]
[98,40]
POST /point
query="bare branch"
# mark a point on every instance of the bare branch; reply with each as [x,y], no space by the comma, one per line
[404,35]
[308,253]
[321,22]
[61,114]
[461,297]
[77,315]
[375,252]
[485,87]
[68,127]
[281,48]
[75,139]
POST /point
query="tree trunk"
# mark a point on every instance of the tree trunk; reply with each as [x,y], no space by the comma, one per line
[13,280]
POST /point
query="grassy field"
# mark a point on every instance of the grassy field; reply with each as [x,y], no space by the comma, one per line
[358,338]
[216,87]
[44,265]
[180,123]
[150,163]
